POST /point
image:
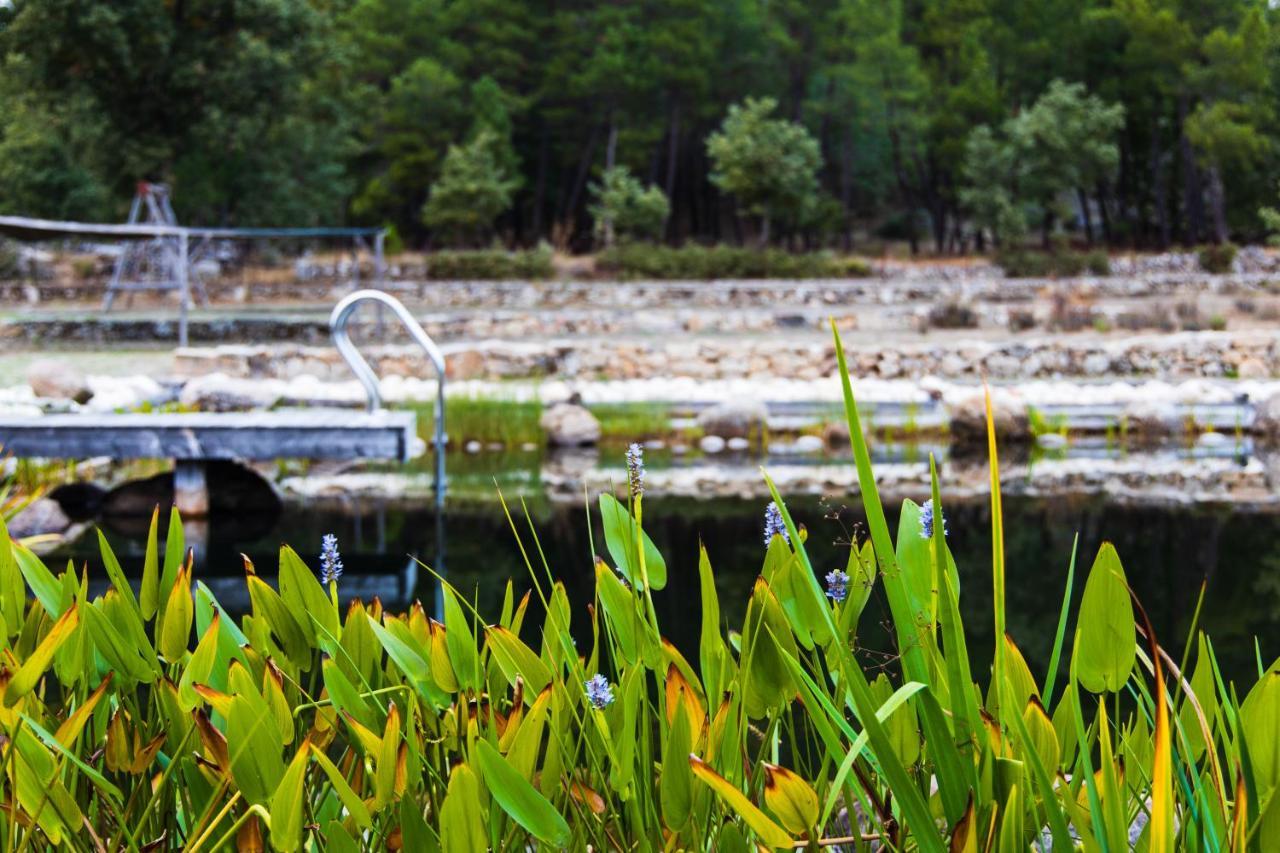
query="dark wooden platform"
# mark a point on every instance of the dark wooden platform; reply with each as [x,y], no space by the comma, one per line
[293,434]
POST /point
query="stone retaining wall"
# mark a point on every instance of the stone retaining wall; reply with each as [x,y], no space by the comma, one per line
[1249,355]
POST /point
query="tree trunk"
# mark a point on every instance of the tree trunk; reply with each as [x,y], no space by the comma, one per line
[1218,203]
[540,182]
[764,230]
[570,211]
[1088,216]
[1192,198]
[1103,213]
[673,154]
[1159,189]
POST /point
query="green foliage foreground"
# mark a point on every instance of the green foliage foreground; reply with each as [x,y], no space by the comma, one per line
[302,727]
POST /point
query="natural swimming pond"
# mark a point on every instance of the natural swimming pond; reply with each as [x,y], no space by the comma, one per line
[1166,550]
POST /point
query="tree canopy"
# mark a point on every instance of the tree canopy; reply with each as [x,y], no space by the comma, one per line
[1151,121]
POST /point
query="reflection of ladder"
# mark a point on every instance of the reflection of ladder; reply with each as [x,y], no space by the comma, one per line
[150,264]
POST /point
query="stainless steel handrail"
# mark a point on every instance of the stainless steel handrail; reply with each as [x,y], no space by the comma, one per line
[338,321]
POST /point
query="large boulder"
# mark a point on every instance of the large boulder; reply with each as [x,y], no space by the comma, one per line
[41,516]
[1267,420]
[968,424]
[218,392]
[59,381]
[735,419]
[569,425]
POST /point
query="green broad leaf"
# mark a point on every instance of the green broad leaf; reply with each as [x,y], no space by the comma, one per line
[620,611]
[253,747]
[39,790]
[410,663]
[621,533]
[116,574]
[1260,725]
[173,628]
[519,799]
[338,840]
[415,835]
[286,805]
[915,560]
[125,620]
[13,592]
[384,770]
[344,696]
[355,806]
[903,727]
[33,668]
[123,657]
[523,754]
[517,659]
[268,605]
[712,653]
[47,589]
[149,601]
[675,787]
[461,824]
[461,643]
[766,637]
[200,666]
[1106,635]
[305,597]
[175,549]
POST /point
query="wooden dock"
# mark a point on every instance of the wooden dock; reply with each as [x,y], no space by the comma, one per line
[192,439]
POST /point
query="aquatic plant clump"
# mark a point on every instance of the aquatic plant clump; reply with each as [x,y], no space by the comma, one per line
[150,718]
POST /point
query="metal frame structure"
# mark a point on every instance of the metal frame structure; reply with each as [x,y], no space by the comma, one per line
[170,246]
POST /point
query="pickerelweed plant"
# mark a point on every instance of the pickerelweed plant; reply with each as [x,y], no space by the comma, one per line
[302,726]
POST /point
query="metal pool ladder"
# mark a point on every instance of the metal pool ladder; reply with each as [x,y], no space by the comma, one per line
[338,321]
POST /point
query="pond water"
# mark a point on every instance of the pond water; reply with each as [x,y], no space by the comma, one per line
[1166,551]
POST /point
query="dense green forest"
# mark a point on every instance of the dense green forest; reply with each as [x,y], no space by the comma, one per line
[944,123]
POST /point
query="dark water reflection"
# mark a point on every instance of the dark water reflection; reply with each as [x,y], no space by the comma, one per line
[1166,553]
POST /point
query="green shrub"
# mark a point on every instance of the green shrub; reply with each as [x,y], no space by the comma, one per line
[625,209]
[490,264]
[9,266]
[1063,263]
[700,263]
[1216,258]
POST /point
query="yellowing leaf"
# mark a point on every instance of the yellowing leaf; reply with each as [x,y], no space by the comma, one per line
[791,799]
[768,831]
[29,674]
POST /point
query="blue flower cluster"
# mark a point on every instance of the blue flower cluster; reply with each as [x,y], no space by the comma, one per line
[599,692]
[635,469]
[926,520]
[774,525]
[837,585]
[330,559]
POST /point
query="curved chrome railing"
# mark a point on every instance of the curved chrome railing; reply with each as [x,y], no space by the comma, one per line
[338,321]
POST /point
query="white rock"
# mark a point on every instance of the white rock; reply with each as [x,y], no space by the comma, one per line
[737,443]
[711,444]
[809,444]
[58,380]
[569,425]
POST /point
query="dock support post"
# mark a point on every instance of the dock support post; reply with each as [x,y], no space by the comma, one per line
[190,488]
[184,287]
